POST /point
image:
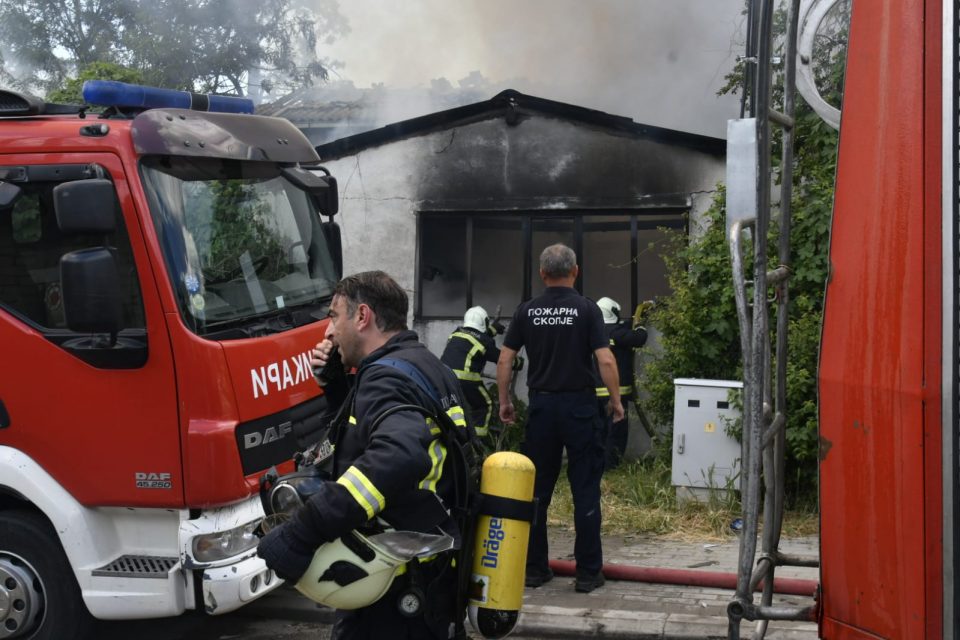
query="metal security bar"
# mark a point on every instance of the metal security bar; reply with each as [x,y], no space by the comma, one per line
[764,414]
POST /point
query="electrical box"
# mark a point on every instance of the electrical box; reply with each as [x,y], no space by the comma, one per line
[706,461]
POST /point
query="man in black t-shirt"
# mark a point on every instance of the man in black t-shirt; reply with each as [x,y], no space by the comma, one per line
[562,332]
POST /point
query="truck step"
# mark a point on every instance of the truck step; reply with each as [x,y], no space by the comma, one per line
[137,567]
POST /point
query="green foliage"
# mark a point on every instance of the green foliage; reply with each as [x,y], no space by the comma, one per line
[698,321]
[202,45]
[503,437]
[240,224]
[71,92]
[639,498]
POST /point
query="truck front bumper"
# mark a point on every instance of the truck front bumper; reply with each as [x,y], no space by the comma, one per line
[228,588]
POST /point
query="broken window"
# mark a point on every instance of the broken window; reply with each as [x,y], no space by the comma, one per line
[497,258]
[492,260]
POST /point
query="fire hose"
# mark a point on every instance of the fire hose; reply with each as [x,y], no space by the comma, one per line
[687,577]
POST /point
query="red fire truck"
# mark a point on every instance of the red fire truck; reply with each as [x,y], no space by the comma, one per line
[162,272]
[889,365]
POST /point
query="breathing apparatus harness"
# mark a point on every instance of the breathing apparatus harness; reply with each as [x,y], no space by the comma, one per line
[276,493]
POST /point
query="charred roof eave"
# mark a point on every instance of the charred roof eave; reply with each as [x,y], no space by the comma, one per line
[500,105]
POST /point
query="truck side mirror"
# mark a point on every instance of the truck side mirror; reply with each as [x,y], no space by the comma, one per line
[331,231]
[322,189]
[85,206]
[90,283]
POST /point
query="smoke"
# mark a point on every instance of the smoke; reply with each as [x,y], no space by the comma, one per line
[659,62]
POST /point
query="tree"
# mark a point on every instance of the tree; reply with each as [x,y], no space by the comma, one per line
[200,45]
[72,90]
[700,333]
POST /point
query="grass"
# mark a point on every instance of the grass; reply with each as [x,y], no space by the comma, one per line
[638,498]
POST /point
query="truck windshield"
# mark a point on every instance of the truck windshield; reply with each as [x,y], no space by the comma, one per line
[244,247]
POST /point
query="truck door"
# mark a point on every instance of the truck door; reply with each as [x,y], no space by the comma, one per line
[100,418]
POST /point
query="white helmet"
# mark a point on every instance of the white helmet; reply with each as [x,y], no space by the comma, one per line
[610,310]
[476,318]
[355,571]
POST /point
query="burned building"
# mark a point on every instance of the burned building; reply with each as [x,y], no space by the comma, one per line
[458,204]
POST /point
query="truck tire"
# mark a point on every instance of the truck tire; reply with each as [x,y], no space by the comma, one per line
[39,595]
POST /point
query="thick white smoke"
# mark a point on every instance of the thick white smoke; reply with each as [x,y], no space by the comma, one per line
[659,62]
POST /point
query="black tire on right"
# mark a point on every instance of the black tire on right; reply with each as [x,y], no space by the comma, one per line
[27,535]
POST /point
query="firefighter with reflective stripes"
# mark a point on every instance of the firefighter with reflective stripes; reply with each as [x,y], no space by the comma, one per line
[389,471]
[469,348]
[624,340]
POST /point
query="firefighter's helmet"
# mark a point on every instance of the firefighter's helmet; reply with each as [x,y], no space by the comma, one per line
[349,573]
[355,570]
[476,318]
[610,310]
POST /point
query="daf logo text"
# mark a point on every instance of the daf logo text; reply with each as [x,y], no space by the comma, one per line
[270,434]
[147,480]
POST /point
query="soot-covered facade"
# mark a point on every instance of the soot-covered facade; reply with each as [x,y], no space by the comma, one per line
[457,205]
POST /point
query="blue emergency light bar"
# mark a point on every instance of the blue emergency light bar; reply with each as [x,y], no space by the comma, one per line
[110,93]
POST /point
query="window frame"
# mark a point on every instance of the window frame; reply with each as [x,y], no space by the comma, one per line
[639,219]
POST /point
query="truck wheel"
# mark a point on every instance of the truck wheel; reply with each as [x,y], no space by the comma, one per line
[39,595]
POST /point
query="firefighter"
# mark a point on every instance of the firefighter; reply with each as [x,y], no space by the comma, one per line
[468,349]
[562,332]
[389,462]
[623,339]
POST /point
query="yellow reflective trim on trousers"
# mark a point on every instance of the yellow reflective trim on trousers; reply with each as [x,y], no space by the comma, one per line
[438,453]
[467,376]
[362,491]
[477,348]
[352,420]
[482,429]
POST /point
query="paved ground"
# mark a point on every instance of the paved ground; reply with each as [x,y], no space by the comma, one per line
[638,610]
[619,609]
[623,609]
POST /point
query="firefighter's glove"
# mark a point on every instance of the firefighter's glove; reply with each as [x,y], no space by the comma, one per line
[518,363]
[642,311]
[285,553]
[496,328]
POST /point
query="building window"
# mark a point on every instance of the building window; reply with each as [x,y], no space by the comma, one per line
[492,260]
[496,259]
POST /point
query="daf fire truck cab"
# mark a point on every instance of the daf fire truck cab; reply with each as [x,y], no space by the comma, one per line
[164,273]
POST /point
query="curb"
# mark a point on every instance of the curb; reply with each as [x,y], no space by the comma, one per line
[564,622]
[545,621]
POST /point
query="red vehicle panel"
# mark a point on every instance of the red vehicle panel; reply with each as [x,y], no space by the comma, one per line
[879,365]
[94,429]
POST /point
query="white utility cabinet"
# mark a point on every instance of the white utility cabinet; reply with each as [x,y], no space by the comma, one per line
[705,459]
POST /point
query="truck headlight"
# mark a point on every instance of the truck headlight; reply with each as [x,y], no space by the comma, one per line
[221,545]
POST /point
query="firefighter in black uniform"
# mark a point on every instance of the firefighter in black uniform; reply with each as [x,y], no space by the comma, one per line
[391,472]
[624,340]
[468,349]
[562,332]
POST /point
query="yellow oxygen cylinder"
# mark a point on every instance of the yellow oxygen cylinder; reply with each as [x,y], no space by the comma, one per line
[500,555]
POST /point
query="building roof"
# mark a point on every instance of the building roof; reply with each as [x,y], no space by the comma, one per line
[512,105]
